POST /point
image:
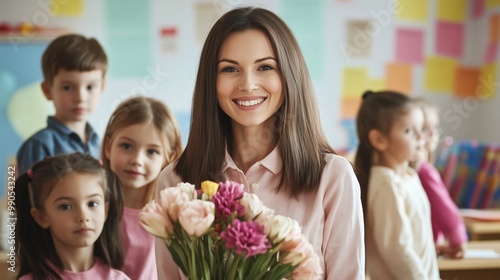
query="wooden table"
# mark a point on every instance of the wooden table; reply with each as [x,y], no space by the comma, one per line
[482,229]
[473,269]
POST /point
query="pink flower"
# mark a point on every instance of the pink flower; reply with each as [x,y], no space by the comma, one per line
[298,252]
[226,200]
[196,217]
[309,268]
[171,199]
[246,236]
[155,220]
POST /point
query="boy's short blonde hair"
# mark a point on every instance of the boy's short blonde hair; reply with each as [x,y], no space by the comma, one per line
[73,52]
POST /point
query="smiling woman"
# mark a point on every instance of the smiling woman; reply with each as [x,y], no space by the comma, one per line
[255,122]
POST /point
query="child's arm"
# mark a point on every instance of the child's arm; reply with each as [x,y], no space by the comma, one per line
[444,212]
[392,232]
[343,233]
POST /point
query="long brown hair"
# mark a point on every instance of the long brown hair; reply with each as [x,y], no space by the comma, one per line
[301,140]
[379,110]
[34,243]
[144,110]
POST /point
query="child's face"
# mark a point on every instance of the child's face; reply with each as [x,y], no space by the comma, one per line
[136,155]
[431,130]
[405,140]
[75,94]
[249,87]
[74,211]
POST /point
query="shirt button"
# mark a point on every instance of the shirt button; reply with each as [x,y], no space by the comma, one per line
[255,186]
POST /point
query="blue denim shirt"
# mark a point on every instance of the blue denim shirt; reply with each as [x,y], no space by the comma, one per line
[55,139]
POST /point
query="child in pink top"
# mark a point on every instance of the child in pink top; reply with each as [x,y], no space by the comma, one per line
[446,219]
[67,221]
[141,138]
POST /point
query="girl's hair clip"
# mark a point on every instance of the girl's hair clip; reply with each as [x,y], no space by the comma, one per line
[367,94]
[30,173]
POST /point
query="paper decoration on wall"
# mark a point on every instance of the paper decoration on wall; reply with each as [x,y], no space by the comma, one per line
[466,82]
[376,84]
[409,45]
[29,99]
[490,55]
[307,21]
[354,81]
[349,126]
[349,106]
[492,3]
[494,28]
[399,77]
[440,74]
[449,38]
[357,39]
[413,10]
[478,7]
[168,39]
[128,42]
[488,83]
[205,15]
[452,10]
[69,8]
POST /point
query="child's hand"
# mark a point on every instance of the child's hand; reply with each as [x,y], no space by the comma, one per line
[454,252]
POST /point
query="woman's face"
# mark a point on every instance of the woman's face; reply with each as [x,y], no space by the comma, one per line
[249,86]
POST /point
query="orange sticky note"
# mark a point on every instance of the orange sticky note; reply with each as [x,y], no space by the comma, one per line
[349,107]
[440,73]
[494,28]
[466,81]
[399,77]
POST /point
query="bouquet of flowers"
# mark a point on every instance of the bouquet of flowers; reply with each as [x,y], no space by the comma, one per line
[226,233]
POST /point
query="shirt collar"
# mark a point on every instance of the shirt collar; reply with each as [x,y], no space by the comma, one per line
[272,162]
[56,125]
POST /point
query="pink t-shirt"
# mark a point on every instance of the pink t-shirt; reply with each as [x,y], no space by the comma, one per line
[140,260]
[445,217]
[331,217]
[99,271]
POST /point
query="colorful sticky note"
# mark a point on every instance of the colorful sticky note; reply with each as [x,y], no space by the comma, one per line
[478,7]
[491,52]
[349,107]
[450,38]
[413,10]
[409,45]
[488,83]
[466,81]
[70,8]
[354,81]
[440,73]
[358,39]
[399,77]
[452,10]
[492,3]
[375,84]
[494,28]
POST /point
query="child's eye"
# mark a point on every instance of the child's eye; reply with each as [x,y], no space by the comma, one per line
[228,69]
[93,204]
[126,146]
[409,131]
[153,152]
[91,87]
[64,207]
[67,87]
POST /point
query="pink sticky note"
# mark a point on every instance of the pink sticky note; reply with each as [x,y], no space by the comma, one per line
[477,8]
[491,53]
[449,38]
[409,45]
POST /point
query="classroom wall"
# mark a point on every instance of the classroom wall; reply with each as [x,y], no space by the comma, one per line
[344,55]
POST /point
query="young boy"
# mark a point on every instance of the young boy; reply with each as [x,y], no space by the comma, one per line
[74,69]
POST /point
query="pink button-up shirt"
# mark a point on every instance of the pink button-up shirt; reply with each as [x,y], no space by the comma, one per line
[331,217]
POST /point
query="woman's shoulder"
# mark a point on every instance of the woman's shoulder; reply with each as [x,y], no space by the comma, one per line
[336,161]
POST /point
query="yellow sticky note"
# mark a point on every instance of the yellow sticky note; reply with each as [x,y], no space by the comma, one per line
[354,81]
[492,3]
[413,10]
[488,83]
[376,84]
[440,74]
[69,8]
[452,10]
